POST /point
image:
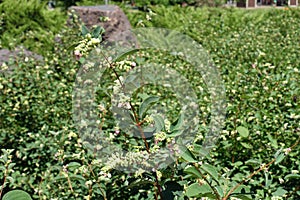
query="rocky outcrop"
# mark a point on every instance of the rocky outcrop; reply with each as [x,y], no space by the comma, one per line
[7,55]
[110,17]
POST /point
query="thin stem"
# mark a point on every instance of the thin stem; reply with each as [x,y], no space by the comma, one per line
[103,194]
[111,66]
[202,175]
[256,172]
[138,124]
[70,184]
[158,187]
[5,175]
[130,104]
[246,179]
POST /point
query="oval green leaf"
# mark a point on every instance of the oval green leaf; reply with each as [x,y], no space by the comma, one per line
[17,195]
[244,132]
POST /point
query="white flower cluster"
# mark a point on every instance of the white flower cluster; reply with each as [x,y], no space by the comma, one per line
[86,45]
[120,99]
[130,160]
[161,136]
[125,65]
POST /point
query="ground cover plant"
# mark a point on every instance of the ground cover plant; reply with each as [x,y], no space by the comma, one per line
[256,156]
[29,24]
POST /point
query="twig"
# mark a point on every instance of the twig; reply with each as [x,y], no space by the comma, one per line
[70,184]
[246,179]
[256,172]
[4,181]
[138,124]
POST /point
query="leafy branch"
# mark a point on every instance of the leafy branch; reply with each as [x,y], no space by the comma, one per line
[276,160]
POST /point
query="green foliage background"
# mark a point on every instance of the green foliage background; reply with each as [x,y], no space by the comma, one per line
[256,52]
[30,24]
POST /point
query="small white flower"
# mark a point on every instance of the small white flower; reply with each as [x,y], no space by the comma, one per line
[148,17]
[281,180]
[158,174]
[287,151]
[95,41]
[88,183]
[271,67]
[88,36]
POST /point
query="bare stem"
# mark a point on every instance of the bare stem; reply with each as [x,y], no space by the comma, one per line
[246,179]
[4,181]
[138,124]
[256,172]
[70,184]
[158,187]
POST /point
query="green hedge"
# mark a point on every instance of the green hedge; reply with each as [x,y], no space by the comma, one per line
[30,24]
[257,55]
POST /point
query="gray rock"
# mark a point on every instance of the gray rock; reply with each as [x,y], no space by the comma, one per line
[7,55]
[117,27]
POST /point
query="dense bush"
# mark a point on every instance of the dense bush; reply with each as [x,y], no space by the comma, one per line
[30,24]
[197,3]
[257,55]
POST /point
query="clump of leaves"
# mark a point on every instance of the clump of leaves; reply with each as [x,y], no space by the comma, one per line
[30,24]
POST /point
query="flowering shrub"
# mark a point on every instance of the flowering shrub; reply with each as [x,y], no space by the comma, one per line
[256,157]
[29,24]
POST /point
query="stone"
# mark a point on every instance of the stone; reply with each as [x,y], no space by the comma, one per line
[7,55]
[110,17]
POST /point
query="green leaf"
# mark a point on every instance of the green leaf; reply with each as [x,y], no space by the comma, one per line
[244,132]
[267,180]
[17,195]
[273,141]
[186,154]
[59,177]
[10,179]
[82,60]
[220,190]
[279,158]
[175,133]
[11,165]
[246,145]
[242,196]
[277,153]
[200,150]
[192,170]
[178,123]
[292,176]
[159,122]
[123,55]
[84,30]
[73,165]
[97,31]
[143,96]
[211,170]
[279,192]
[77,177]
[253,162]
[146,104]
[238,163]
[195,189]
